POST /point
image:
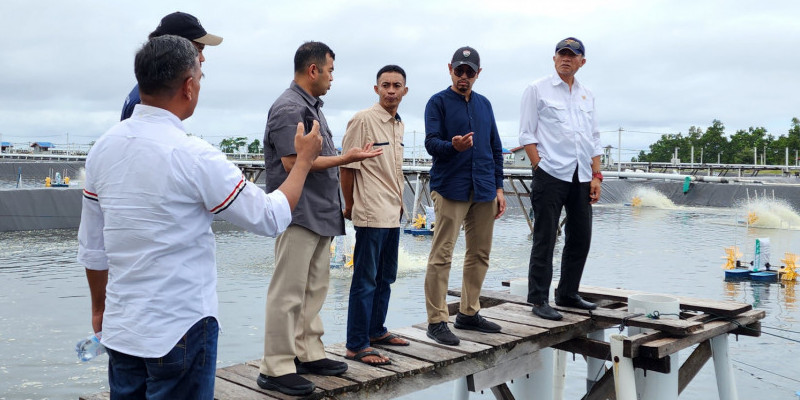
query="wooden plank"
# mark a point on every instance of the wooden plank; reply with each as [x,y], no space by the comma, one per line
[420,335]
[522,314]
[97,396]
[662,347]
[401,365]
[693,364]
[224,389]
[600,315]
[245,375]
[630,346]
[721,308]
[332,385]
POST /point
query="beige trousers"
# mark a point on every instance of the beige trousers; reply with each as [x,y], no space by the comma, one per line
[295,297]
[478,221]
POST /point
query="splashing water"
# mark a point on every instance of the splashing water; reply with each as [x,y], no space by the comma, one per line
[771,214]
[648,197]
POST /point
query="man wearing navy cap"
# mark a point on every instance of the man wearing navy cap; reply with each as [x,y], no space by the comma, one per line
[467,189]
[178,24]
[558,127]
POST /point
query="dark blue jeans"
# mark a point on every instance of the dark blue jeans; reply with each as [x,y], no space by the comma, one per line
[186,372]
[548,196]
[374,270]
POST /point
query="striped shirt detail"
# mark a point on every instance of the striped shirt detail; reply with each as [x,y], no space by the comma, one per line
[231,197]
[89,195]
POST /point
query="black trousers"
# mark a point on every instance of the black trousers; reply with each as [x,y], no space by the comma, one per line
[548,196]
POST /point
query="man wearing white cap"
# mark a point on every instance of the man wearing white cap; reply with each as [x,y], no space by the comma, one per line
[178,24]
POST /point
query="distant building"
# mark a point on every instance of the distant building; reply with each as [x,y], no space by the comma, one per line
[42,147]
[5,146]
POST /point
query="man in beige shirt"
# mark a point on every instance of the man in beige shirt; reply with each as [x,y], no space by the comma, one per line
[373,198]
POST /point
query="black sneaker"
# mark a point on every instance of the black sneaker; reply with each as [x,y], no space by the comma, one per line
[475,323]
[441,334]
[291,384]
[324,366]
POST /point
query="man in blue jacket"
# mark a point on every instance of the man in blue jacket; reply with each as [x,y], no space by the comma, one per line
[467,189]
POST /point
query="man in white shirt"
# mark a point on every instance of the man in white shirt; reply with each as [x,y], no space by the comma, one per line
[145,236]
[558,128]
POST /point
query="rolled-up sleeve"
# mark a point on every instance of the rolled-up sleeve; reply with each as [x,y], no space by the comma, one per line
[529,116]
[91,245]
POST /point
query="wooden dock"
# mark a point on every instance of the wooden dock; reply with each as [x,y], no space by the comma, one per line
[490,360]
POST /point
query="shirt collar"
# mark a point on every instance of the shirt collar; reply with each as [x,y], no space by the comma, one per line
[556,80]
[142,111]
[315,102]
[385,116]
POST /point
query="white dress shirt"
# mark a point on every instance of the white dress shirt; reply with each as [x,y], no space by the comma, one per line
[563,125]
[151,193]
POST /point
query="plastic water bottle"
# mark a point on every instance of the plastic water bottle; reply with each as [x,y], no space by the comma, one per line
[90,347]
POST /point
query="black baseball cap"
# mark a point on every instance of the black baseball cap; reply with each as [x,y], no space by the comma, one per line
[187,26]
[572,44]
[466,56]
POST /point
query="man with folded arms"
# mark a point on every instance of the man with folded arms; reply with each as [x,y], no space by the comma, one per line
[558,128]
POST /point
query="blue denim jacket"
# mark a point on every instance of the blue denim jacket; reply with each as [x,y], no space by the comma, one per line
[477,170]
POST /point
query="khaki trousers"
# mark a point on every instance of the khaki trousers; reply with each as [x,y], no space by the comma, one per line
[295,297]
[478,221]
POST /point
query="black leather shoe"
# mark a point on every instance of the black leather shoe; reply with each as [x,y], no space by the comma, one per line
[291,384]
[543,310]
[324,366]
[575,301]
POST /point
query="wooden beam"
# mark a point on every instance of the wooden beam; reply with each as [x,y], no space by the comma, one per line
[502,392]
[693,364]
[603,389]
[721,308]
[602,351]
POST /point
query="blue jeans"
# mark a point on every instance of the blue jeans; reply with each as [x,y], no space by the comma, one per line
[186,372]
[374,270]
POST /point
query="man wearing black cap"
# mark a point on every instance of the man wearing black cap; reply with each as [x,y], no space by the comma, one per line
[178,24]
[558,128]
[467,189]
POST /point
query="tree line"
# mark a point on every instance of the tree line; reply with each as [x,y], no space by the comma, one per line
[715,145]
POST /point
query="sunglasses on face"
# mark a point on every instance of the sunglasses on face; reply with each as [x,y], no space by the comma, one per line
[464,69]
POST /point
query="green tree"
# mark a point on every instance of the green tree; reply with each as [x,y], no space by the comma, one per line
[254,147]
[232,145]
[714,143]
[743,143]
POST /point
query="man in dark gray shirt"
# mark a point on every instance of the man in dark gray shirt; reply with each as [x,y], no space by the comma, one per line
[293,333]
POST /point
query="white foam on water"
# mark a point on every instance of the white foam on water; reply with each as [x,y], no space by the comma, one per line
[770,214]
[651,198]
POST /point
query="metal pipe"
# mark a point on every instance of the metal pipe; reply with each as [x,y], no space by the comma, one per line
[624,379]
[460,390]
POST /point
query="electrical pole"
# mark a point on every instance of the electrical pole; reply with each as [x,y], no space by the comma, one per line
[619,150]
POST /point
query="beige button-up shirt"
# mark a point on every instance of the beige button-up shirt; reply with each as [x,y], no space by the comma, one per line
[378,182]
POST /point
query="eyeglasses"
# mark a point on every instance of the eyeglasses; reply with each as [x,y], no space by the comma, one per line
[464,69]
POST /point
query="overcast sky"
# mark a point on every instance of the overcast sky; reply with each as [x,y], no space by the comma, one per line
[654,66]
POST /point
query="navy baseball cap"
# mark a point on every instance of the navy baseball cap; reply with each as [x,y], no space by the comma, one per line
[572,44]
[187,26]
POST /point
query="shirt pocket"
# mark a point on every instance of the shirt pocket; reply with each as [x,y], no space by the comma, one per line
[586,115]
[554,112]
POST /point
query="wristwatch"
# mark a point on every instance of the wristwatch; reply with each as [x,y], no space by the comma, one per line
[597,175]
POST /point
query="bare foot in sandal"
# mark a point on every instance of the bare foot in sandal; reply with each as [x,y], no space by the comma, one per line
[389,339]
[367,356]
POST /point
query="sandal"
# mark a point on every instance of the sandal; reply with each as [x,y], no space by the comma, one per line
[387,340]
[364,353]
